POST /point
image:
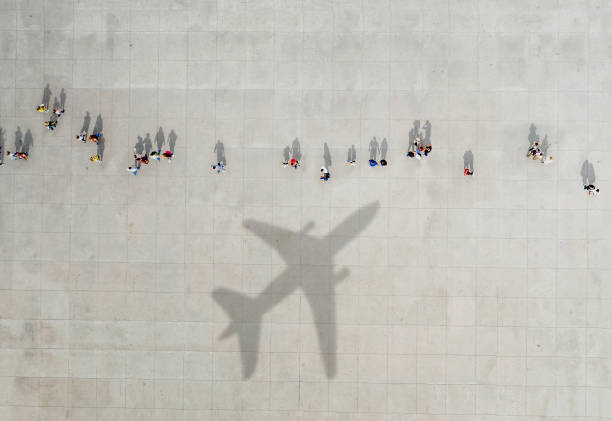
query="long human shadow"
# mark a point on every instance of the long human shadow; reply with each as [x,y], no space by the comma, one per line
[296,151]
[147,144]
[533,136]
[98,127]
[427,136]
[468,160]
[246,312]
[46,95]
[139,146]
[86,122]
[415,132]
[18,139]
[373,148]
[160,139]
[172,140]
[384,147]
[352,154]
[588,173]
[220,150]
[327,156]
[63,98]
[28,142]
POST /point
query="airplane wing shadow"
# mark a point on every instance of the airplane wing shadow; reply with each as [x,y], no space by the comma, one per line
[246,312]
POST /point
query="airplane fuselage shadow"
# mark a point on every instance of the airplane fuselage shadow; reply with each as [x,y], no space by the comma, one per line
[317,282]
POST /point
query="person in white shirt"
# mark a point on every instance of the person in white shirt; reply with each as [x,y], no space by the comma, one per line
[325,174]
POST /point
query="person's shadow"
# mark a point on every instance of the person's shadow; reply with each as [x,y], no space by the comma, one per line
[286,154]
[63,98]
[172,140]
[46,95]
[533,135]
[98,127]
[427,136]
[415,132]
[147,144]
[468,160]
[296,152]
[18,139]
[383,149]
[160,139]
[86,122]
[220,150]
[588,173]
[352,154]
[373,148]
[327,159]
[545,146]
[139,146]
[28,142]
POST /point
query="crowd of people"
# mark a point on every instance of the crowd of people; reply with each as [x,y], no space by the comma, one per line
[418,150]
[144,159]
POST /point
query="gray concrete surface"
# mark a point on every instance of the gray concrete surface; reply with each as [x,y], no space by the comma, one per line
[409,293]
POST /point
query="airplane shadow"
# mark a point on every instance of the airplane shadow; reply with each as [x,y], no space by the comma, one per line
[246,312]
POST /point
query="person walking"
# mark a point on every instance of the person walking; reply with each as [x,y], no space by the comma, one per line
[95,137]
[133,170]
[468,171]
[58,112]
[412,154]
[42,108]
[294,163]
[96,158]
[372,162]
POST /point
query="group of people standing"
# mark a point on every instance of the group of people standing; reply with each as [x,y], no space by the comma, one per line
[58,111]
[420,147]
[144,159]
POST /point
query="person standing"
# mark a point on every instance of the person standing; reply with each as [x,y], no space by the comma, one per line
[82,136]
[168,155]
[51,125]
[325,175]
[591,190]
[219,167]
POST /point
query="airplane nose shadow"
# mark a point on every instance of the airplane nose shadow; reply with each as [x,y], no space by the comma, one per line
[316,282]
